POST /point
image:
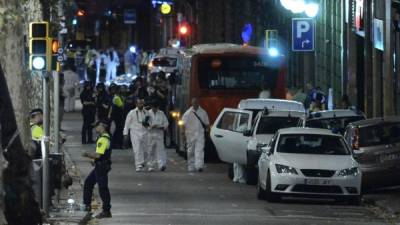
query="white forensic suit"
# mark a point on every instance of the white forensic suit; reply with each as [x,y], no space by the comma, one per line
[71,82]
[195,139]
[130,63]
[156,150]
[111,64]
[138,134]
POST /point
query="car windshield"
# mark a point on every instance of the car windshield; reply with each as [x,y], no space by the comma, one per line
[312,144]
[269,125]
[339,123]
[382,134]
[165,62]
[236,72]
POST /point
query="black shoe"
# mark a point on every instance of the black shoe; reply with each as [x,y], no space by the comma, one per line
[163,168]
[200,170]
[104,215]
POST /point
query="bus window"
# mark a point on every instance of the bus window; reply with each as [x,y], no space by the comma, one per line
[240,72]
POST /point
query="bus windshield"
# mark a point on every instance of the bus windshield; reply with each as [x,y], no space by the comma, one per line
[235,72]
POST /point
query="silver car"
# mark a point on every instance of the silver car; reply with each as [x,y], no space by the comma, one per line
[376,145]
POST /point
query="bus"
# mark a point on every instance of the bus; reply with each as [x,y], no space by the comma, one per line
[219,76]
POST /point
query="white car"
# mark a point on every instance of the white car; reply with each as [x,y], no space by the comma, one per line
[311,162]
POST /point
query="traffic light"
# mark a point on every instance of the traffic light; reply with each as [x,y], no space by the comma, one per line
[184,29]
[54,65]
[271,42]
[39,46]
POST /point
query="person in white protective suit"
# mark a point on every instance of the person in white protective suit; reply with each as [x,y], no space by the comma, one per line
[196,125]
[112,63]
[130,61]
[156,152]
[71,82]
[136,125]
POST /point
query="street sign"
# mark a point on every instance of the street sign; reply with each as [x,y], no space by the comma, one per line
[60,51]
[303,34]
[130,16]
[60,58]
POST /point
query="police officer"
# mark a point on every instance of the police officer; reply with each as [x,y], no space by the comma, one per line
[99,175]
[117,115]
[36,122]
[89,112]
[102,102]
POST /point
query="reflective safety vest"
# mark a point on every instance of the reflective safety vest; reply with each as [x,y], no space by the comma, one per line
[37,132]
[103,147]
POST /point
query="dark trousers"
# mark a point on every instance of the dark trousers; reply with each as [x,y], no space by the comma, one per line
[98,175]
[118,137]
[87,127]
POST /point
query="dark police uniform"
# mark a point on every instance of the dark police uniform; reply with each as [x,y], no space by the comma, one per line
[99,174]
[103,99]
[89,113]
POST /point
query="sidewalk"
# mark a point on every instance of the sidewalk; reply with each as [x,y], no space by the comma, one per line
[71,213]
[385,202]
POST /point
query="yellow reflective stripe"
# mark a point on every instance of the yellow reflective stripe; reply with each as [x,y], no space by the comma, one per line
[118,102]
[102,145]
[37,132]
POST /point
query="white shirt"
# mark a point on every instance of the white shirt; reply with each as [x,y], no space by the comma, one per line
[193,127]
[157,119]
[134,122]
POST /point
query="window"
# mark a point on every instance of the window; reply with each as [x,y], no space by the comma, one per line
[339,123]
[269,125]
[236,72]
[382,134]
[312,144]
[234,121]
[165,62]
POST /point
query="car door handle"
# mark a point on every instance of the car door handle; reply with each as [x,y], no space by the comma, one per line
[218,136]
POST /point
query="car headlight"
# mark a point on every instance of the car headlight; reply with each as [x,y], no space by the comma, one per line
[285,169]
[349,172]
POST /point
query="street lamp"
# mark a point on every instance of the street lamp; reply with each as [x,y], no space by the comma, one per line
[297,6]
[311,9]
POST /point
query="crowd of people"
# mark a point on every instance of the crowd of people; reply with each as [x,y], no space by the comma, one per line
[102,66]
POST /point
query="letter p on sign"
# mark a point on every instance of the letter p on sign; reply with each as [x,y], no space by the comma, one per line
[302,27]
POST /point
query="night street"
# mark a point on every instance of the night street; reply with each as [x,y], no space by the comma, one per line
[178,197]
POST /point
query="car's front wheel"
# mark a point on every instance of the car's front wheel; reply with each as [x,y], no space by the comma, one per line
[269,195]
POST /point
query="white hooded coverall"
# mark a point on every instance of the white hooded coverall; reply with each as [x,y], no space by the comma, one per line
[195,139]
[156,150]
[138,134]
[111,63]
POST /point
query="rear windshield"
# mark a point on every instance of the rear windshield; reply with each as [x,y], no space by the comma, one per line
[339,123]
[382,134]
[236,72]
[269,125]
[312,144]
[165,62]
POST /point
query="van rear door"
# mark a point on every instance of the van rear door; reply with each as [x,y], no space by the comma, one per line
[227,134]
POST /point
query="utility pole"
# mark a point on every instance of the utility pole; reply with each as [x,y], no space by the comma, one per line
[45,142]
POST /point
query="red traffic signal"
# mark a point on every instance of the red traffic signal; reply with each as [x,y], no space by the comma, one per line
[183,29]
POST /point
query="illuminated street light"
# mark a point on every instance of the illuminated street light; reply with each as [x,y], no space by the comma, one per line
[286,4]
[273,52]
[311,9]
[297,6]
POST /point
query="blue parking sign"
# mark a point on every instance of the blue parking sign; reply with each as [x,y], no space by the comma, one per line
[303,31]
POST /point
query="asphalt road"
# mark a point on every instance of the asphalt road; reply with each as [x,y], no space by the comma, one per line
[178,197]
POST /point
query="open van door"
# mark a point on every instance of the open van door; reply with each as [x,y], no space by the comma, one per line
[228,134]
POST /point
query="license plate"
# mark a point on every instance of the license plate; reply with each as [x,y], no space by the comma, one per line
[316,182]
[389,157]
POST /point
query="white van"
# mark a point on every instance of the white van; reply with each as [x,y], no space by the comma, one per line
[238,134]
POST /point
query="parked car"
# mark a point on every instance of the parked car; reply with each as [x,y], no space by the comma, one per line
[335,120]
[376,143]
[238,137]
[310,162]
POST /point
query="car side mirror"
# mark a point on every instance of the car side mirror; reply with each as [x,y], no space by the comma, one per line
[247,133]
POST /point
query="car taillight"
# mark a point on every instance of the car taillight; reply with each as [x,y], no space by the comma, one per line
[356,140]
